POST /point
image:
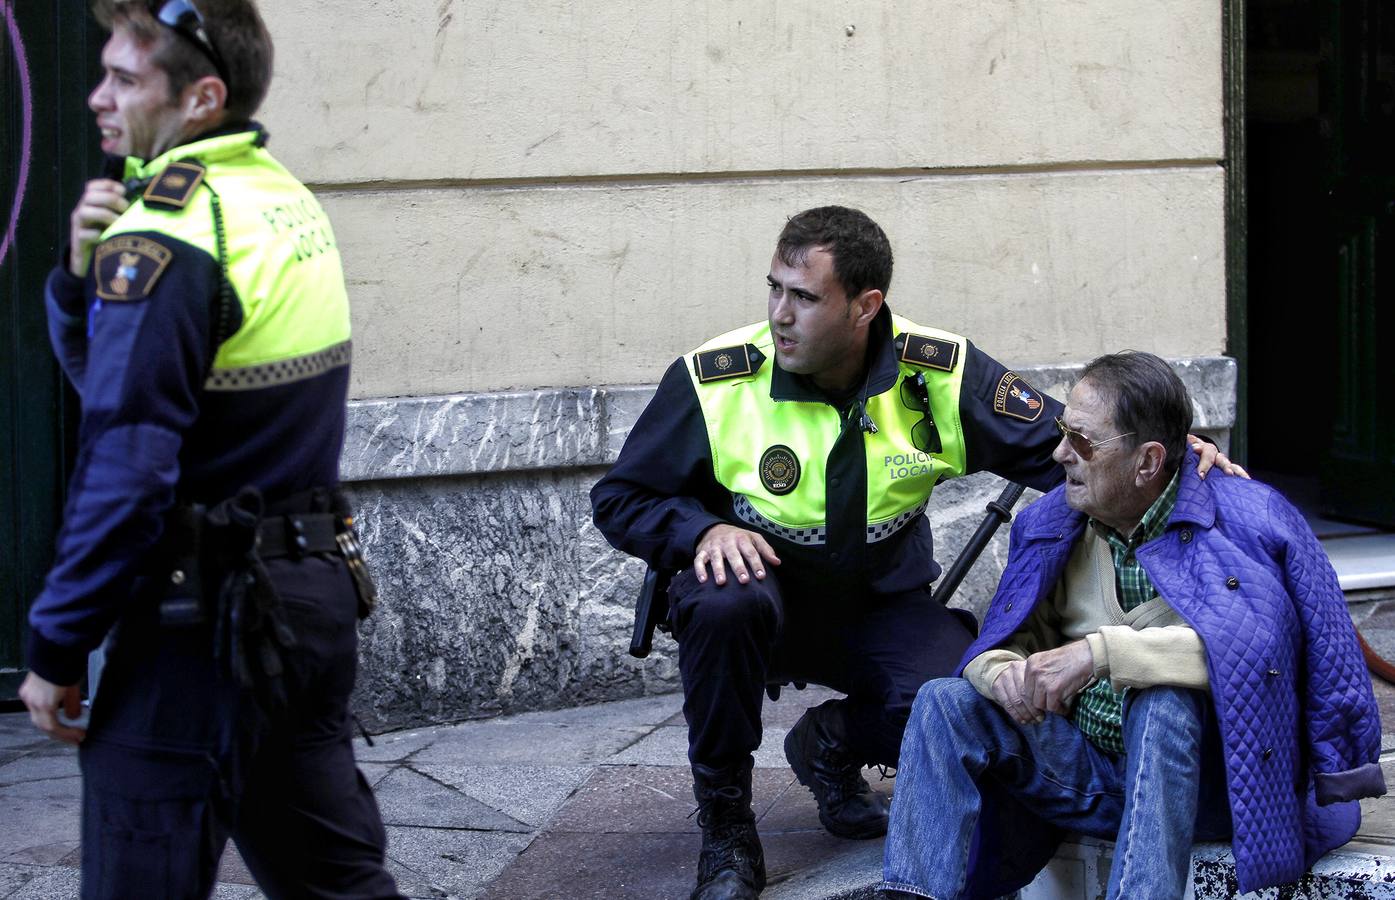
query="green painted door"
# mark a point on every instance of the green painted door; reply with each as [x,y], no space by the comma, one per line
[48,53]
[1358,92]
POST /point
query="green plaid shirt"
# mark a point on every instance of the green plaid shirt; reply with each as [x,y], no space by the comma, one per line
[1099,710]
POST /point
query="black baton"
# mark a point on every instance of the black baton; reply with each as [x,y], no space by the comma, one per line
[651,611]
[999,511]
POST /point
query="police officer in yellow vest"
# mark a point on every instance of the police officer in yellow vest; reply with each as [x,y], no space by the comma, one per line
[200,313]
[783,470]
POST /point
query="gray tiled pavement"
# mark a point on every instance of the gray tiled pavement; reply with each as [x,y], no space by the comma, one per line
[592,802]
[586,802]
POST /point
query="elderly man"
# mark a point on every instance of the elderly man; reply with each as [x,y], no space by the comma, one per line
[1166,659]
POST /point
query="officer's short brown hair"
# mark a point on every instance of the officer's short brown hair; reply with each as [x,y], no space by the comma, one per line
[860,250]
[234,26]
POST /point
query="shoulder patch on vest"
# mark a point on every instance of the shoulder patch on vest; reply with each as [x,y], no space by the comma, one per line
[779,469]
[928,352]
[1016,398]
[727,362]
[127,266]
[174,187]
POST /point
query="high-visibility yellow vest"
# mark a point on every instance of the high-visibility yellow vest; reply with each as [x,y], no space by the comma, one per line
[771,455]
[278,252]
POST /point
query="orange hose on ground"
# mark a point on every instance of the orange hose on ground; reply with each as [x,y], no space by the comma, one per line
[1378,665]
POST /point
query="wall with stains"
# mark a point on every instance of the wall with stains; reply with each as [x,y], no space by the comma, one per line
[541,193]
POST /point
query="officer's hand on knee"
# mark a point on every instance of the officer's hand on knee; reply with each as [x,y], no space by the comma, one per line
[43,698]
[723,546]
[1008,693]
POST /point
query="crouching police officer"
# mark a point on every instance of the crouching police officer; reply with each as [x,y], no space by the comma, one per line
[784,469]
[201,315]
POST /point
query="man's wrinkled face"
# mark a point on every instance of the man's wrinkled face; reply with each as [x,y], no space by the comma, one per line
[1103,486]
[811,321]
[135,113]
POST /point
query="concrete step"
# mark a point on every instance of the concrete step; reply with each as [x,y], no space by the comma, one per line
[1357,871]
[1080,871]
[1363,556]
[1364,562]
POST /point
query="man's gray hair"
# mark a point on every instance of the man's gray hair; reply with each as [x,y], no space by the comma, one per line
[1147,398]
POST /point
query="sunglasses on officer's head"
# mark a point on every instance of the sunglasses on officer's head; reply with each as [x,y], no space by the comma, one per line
[184,18]
[1083,446]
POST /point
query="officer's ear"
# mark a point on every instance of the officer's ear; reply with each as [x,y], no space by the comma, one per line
[864,307]
[204,102]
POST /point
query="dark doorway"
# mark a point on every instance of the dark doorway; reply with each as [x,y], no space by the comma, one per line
[1320,118]
[48,56]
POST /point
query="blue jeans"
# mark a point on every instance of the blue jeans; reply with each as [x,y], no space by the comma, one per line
[982,802]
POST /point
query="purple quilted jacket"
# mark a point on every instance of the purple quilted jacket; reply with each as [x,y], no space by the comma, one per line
[1298,720]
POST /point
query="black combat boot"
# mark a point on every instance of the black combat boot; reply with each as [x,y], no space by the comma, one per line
[817,750]
[732,864]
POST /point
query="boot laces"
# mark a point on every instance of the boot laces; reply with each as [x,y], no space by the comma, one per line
[842,777]
[726,831]
[720,808]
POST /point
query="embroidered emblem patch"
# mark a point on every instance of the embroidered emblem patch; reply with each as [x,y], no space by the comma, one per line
[779,470]
[175,186]
[1015,398]
[928,352]
[727,362]
[127,266]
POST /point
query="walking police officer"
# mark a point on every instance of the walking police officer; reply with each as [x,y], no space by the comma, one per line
[789,493]
[201,315]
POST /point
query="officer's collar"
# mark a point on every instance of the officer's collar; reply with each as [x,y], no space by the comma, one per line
[228,140]
[879,376]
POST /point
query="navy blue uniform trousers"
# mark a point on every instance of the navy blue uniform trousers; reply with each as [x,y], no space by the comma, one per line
[177,759]
[876,648]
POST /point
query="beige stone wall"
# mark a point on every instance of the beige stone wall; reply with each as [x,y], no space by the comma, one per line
[536,193]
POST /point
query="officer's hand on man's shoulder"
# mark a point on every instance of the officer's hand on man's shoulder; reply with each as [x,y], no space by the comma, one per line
[102,203]
[723,546]
[1210,455]
[44,699]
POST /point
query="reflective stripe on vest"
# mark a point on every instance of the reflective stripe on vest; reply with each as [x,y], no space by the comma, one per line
[743,422]
[282,261]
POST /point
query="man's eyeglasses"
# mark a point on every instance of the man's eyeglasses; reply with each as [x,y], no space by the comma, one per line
[183,17]
[925,437]
[1083,446]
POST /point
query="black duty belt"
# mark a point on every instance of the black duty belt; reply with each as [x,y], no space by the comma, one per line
[297,534]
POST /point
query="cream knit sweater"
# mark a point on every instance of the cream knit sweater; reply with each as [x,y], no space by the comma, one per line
[1148,646]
